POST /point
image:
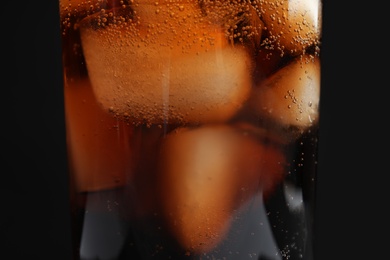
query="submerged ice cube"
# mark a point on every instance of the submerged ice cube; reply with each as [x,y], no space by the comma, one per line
[291,95]
[173,70]
[292,25]
[99,144]
[207,173]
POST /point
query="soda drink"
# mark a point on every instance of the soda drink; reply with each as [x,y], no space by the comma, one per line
[192,127]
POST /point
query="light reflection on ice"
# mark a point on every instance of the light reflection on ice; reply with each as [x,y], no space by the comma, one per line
[293,196]
[102,235]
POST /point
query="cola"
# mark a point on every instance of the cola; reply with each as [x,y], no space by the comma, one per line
[192,127]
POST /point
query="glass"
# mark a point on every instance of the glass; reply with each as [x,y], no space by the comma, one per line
[192,127]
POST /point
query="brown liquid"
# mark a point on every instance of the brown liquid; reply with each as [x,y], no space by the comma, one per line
[185,139]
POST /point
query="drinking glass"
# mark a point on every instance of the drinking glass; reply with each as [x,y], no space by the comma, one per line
[192,127]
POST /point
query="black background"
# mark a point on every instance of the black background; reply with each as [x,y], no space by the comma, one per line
[352,180]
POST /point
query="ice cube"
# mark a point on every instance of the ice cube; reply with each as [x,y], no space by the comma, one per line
[207,174]
[97,142]
[293,25]
[291,95]
[178,71]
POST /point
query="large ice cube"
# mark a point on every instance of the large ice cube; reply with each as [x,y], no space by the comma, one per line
[99,148]
[176,70]
[291,95]
[207,174]
[293,25]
